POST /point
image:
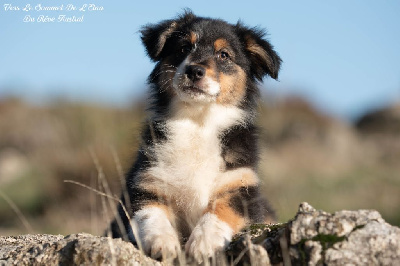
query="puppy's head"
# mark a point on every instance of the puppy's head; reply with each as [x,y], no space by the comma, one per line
[202,60]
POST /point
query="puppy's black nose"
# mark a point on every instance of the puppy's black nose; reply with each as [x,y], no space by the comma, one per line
[195,72]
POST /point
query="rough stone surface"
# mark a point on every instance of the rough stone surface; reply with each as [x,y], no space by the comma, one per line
[312,238]
[319,238]
[376,243]
[344,238]
[77,249]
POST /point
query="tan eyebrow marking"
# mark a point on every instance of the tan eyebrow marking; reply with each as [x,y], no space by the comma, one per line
[220,43]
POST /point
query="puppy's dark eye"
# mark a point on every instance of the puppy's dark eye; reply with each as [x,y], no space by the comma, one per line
[186,49]
[224,55]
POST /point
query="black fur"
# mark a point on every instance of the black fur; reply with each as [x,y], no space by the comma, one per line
[250,203]
[239,147]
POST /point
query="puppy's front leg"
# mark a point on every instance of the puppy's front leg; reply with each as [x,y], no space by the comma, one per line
[234,205]
[214,230]
[156,233]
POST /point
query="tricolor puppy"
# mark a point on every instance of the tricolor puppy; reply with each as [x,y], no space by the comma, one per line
[195,181]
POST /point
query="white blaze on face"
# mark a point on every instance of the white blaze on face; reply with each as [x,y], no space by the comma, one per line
[207,84]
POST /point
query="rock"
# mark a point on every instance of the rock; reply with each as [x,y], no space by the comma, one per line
[379,242]
[77,249]
[319,238]
[345,237]
[312,238]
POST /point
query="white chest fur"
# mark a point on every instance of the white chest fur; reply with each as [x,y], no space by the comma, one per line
[189,164]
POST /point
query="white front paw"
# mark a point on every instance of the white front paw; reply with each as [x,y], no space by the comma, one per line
[209,236]
[165,246]
[156,233]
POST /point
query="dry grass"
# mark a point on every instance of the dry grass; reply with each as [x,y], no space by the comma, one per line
[306,157]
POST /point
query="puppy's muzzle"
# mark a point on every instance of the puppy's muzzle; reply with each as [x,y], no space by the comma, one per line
[195,72]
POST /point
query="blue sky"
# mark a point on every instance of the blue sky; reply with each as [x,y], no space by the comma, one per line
[341,55]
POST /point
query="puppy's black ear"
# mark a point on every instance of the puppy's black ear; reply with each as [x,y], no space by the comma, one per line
[155,36]
[264,60]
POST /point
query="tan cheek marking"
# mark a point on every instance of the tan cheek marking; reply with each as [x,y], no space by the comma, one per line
[225,213]
[233,87]
[220,43]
